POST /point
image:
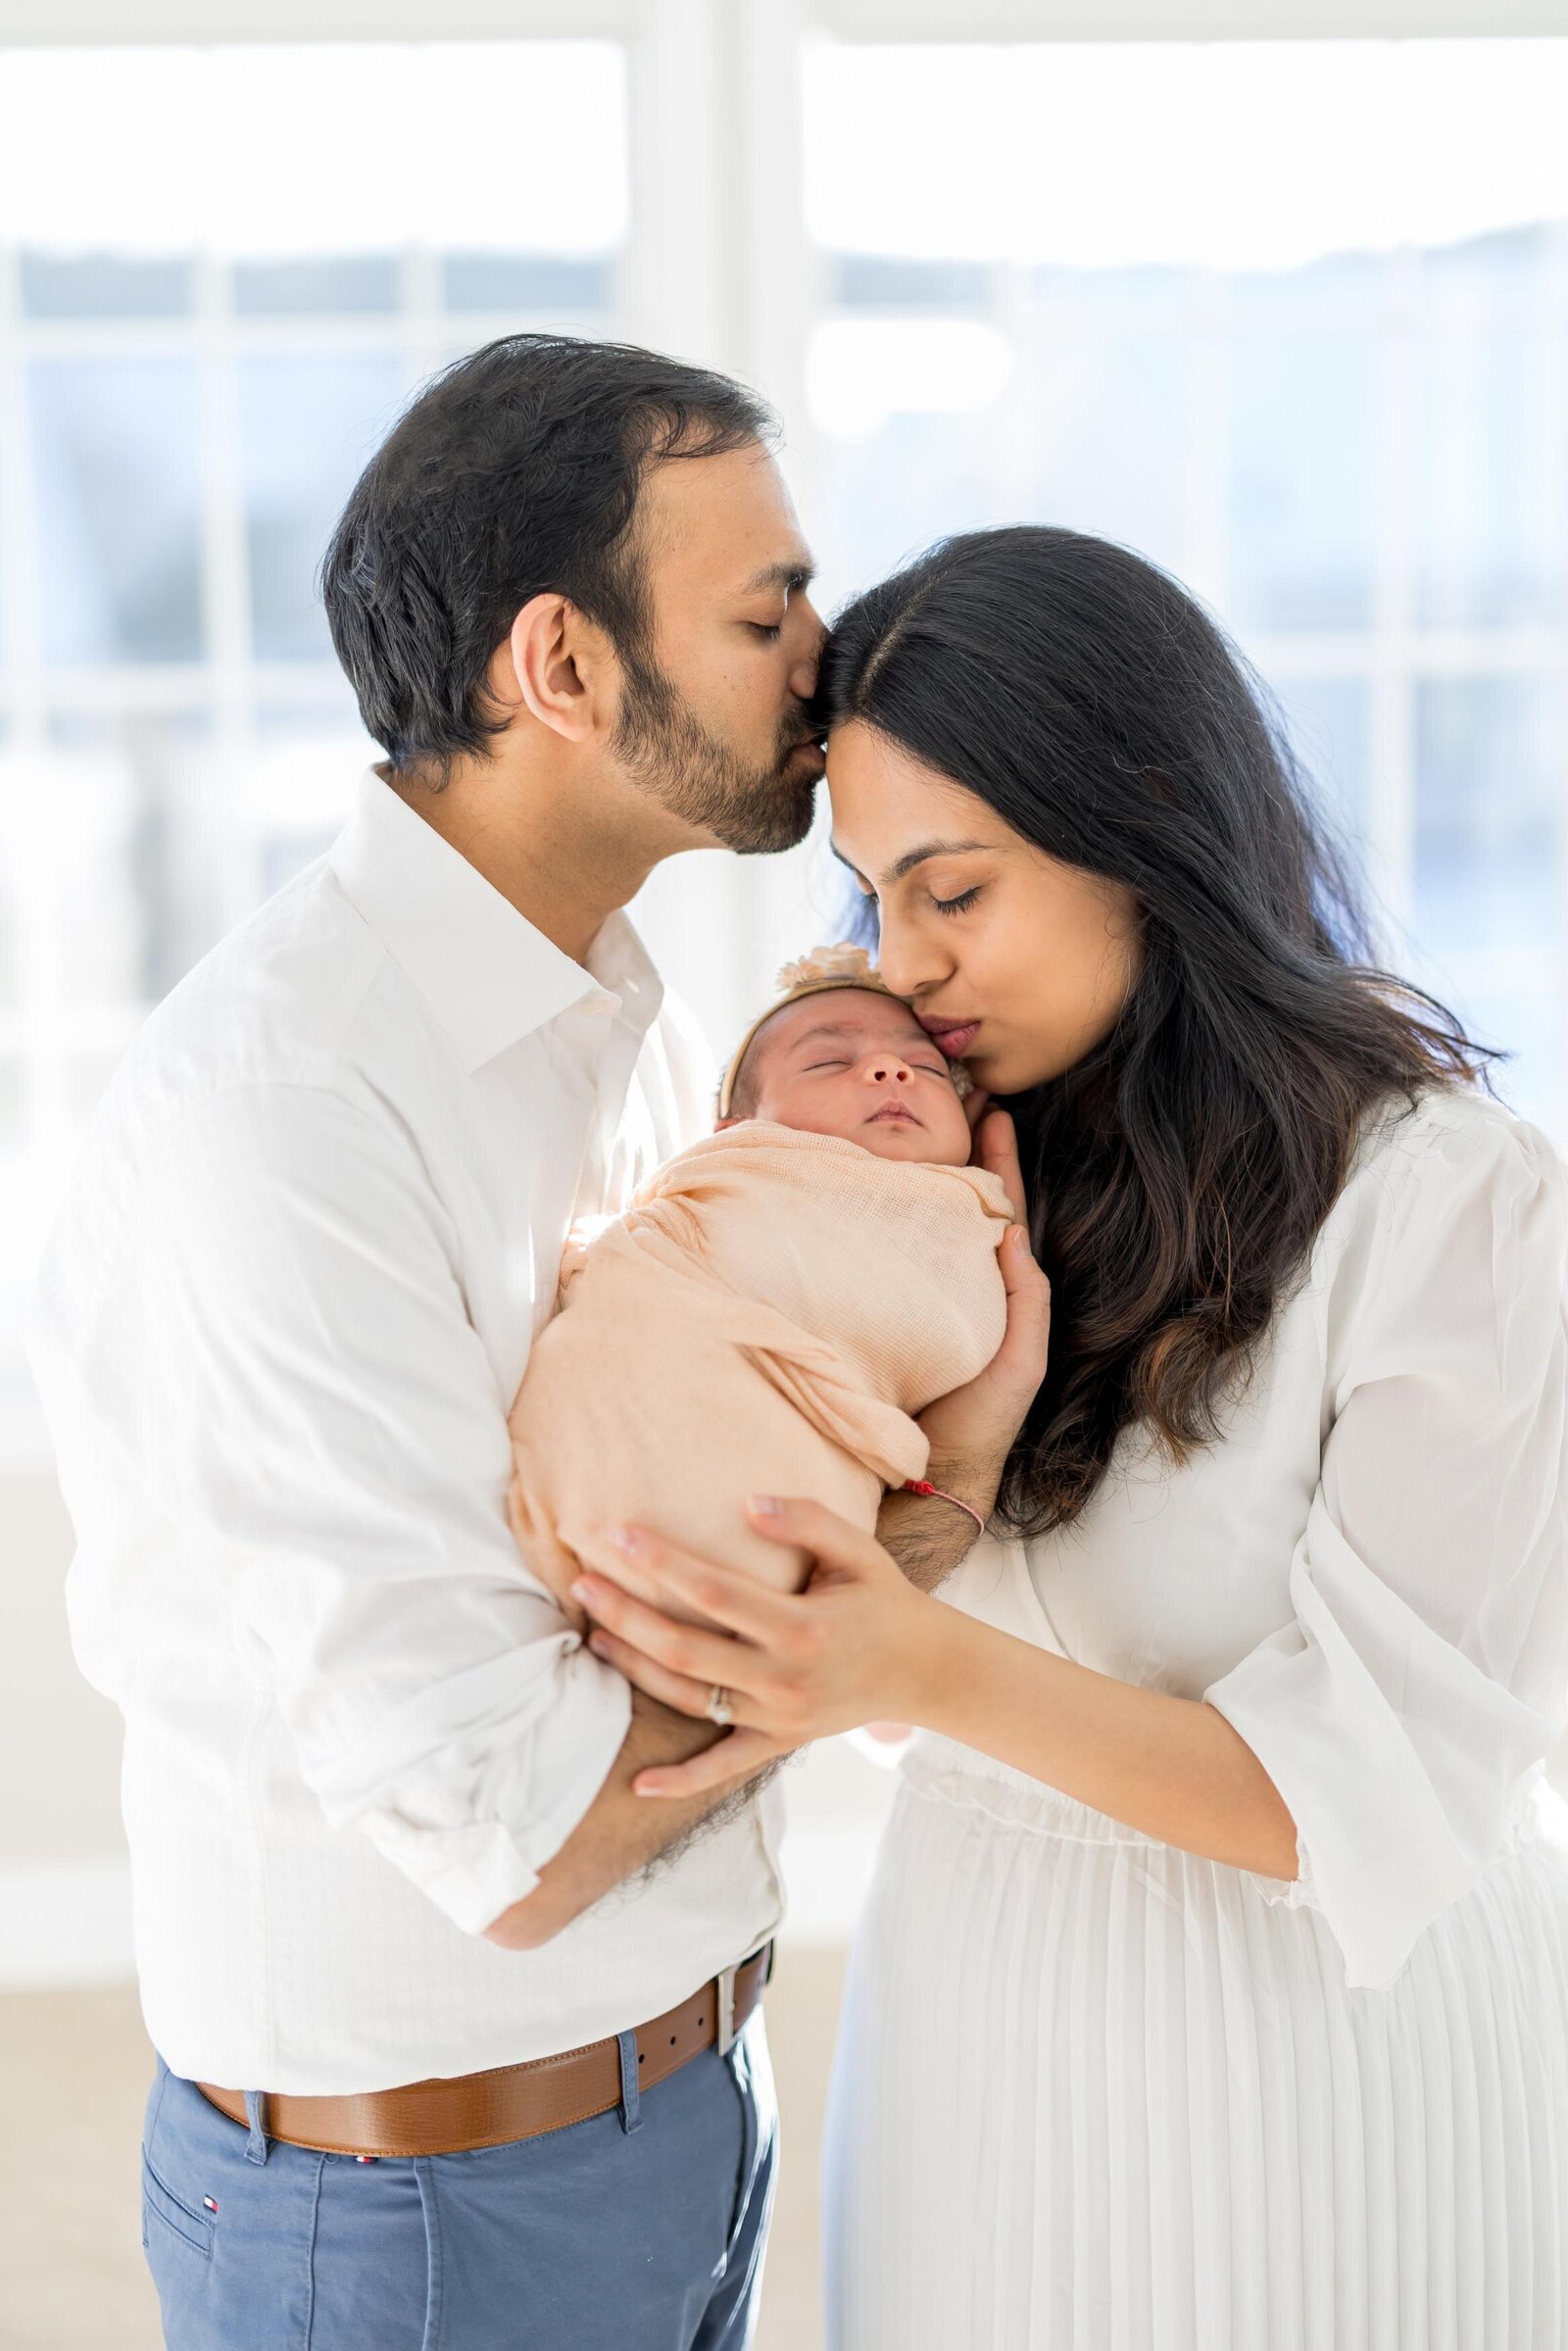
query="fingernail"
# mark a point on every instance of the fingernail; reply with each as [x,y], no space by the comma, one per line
[625,1539]
[599,1646]
[583,1590]
[763,1505]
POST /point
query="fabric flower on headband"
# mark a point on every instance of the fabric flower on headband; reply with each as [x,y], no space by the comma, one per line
[840,966]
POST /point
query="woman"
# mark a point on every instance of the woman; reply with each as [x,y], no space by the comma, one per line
[1213,1987]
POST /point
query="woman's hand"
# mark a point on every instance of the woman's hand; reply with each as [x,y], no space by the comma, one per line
[859,1643]
[971,1431]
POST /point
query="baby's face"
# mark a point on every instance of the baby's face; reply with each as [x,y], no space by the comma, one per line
[850,1062]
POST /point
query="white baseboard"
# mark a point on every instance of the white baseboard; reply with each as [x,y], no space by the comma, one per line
[63,1924]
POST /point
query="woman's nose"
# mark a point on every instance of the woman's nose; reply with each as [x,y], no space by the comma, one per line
[906,962]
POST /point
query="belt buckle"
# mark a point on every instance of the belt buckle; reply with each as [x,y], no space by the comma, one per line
[724,2035]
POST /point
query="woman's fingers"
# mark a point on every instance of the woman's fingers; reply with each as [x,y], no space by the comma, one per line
[832,1541]
[689,1650]
[666,1576]
[995,1148]
[729,1760]
[671,1689]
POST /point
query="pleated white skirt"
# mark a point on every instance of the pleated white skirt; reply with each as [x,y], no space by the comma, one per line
[1096,2094]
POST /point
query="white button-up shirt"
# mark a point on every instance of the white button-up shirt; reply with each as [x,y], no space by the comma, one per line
[315,1224]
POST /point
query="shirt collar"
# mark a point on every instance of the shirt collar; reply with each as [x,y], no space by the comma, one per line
[487,974]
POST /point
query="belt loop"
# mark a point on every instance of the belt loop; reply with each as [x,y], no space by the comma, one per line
[630,2094]
[255,2115]
[724,2035]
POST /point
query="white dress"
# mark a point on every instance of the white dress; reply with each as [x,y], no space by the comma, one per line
[1094,2093]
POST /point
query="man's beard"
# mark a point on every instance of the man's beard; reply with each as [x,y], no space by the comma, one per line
[669,753]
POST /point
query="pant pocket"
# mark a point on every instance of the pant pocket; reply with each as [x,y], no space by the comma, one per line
[160,2204]
[751,2071]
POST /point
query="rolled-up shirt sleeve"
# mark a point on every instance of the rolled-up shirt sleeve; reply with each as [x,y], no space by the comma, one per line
[300,1380]
[1426,1668]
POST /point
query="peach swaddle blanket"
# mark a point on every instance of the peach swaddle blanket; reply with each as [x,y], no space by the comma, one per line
[766,1317]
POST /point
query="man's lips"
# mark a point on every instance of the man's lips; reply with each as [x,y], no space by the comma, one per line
[954,1036]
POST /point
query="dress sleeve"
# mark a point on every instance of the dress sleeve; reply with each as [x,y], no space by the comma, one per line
[1426,1668]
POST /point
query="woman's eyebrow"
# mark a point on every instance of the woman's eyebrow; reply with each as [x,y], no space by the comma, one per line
[913,856]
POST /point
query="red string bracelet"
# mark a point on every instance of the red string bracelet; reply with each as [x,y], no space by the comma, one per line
[924,1486]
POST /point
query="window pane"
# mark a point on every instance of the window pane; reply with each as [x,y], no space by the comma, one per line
[543,282]
[1301,480]
[299,783]
[1528,1025]
[1492,422]
[1329,721]
[117,451]
[141,896]
[308,422]
[104,285]
[348,282]
[1110,431]
[1486,813]
[883,281]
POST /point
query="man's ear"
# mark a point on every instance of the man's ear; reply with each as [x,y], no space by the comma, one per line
[557,665]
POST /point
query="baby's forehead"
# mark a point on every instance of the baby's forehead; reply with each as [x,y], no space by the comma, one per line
[842,1011]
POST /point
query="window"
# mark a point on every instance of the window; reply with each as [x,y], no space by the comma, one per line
[1232,302]
[198,351]
[1235,305]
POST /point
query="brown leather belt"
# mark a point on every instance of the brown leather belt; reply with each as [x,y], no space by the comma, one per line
[511,2101]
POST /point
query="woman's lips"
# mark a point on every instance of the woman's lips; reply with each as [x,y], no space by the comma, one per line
[954,1036]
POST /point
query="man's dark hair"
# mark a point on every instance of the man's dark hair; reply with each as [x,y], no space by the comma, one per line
[513,473]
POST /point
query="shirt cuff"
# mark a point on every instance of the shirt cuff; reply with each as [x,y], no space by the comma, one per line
[476,1840]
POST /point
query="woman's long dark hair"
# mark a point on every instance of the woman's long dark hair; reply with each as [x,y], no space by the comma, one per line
[1179,1172]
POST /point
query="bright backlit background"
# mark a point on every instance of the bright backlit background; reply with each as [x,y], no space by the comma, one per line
[1287,314]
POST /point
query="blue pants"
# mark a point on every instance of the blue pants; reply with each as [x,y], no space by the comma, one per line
[641,2229]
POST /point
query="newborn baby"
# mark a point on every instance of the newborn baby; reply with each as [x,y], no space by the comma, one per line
[778,1302]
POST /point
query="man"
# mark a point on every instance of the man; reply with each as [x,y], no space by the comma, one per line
[447,2051]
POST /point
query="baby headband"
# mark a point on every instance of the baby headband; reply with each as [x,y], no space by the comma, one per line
[840,967]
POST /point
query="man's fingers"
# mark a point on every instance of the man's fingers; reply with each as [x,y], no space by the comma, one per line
[1026,1344]
[976,1104]
[734,1757]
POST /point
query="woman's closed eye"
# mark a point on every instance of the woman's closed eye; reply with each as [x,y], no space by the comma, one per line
[960,904]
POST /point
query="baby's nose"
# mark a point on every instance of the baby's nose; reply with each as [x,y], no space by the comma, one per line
[889,1066]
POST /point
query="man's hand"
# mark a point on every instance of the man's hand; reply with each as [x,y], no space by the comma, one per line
[620,1833]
